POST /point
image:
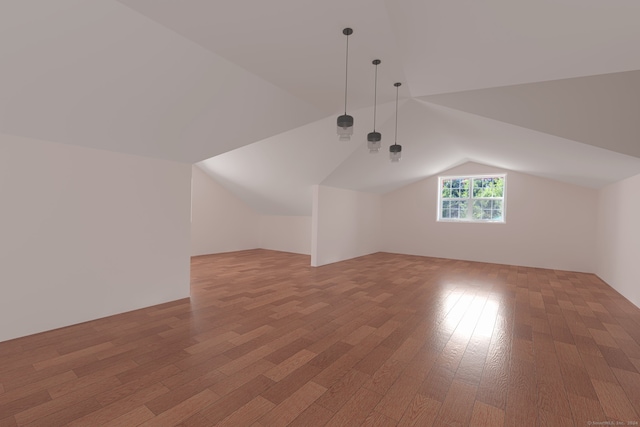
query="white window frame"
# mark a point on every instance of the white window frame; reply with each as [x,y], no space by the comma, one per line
[470,199]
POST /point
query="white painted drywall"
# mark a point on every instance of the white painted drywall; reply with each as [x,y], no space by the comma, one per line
[618,237]
[86,233]
[220,221]
[548,224]
[345,224]
[286,233]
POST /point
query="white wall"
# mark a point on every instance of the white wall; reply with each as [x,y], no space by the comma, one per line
[618,237]
[345,224]
[548,224]
[86,233]
[220,221]
[286,233]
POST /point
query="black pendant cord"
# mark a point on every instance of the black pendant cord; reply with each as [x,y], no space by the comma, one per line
[397,85]
[375,95]
[346,72]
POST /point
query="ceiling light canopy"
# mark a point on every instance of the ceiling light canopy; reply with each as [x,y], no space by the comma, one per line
[395,150]
[345,121]
[374,139]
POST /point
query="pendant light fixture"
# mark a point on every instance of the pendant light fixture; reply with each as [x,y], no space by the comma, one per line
[345,122]
[395,150]
[374,138]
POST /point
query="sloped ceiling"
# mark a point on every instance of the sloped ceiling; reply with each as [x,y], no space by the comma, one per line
[251,89]
[98,74]
[598,110]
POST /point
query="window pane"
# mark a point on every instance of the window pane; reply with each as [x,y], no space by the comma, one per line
[463,209]
[454,209]
[487,210]
[498,187]
[477,187]
[488,187]
[464,189]
[446,188]
[497,210]
[477,208]
[459,189]
[472,198]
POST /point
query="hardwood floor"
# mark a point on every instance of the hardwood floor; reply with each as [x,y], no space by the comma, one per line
[381,340]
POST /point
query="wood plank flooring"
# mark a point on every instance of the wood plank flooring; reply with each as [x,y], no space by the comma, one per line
[381,340]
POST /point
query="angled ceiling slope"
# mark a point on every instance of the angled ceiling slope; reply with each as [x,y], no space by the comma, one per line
[554,129]
[598,110]
[297,45]
[275,176]
[435,138]
[100,75]
[546,87]
[434,46]
[453,46]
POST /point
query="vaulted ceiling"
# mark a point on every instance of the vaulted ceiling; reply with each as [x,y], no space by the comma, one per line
[251,89]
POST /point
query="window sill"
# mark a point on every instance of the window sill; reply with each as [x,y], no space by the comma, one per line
[465,221]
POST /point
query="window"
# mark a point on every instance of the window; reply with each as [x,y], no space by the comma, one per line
[472,198]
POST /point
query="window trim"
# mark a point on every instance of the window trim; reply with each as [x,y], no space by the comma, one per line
[470,220]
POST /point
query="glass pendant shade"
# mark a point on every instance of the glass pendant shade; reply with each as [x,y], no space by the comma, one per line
[345,127]
[374,142]
[395,152]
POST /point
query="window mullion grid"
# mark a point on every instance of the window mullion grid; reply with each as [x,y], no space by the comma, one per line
[492,205]
[470,200]
[469,208]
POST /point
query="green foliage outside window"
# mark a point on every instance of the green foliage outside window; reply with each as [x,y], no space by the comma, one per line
[488,187]
[483,195]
